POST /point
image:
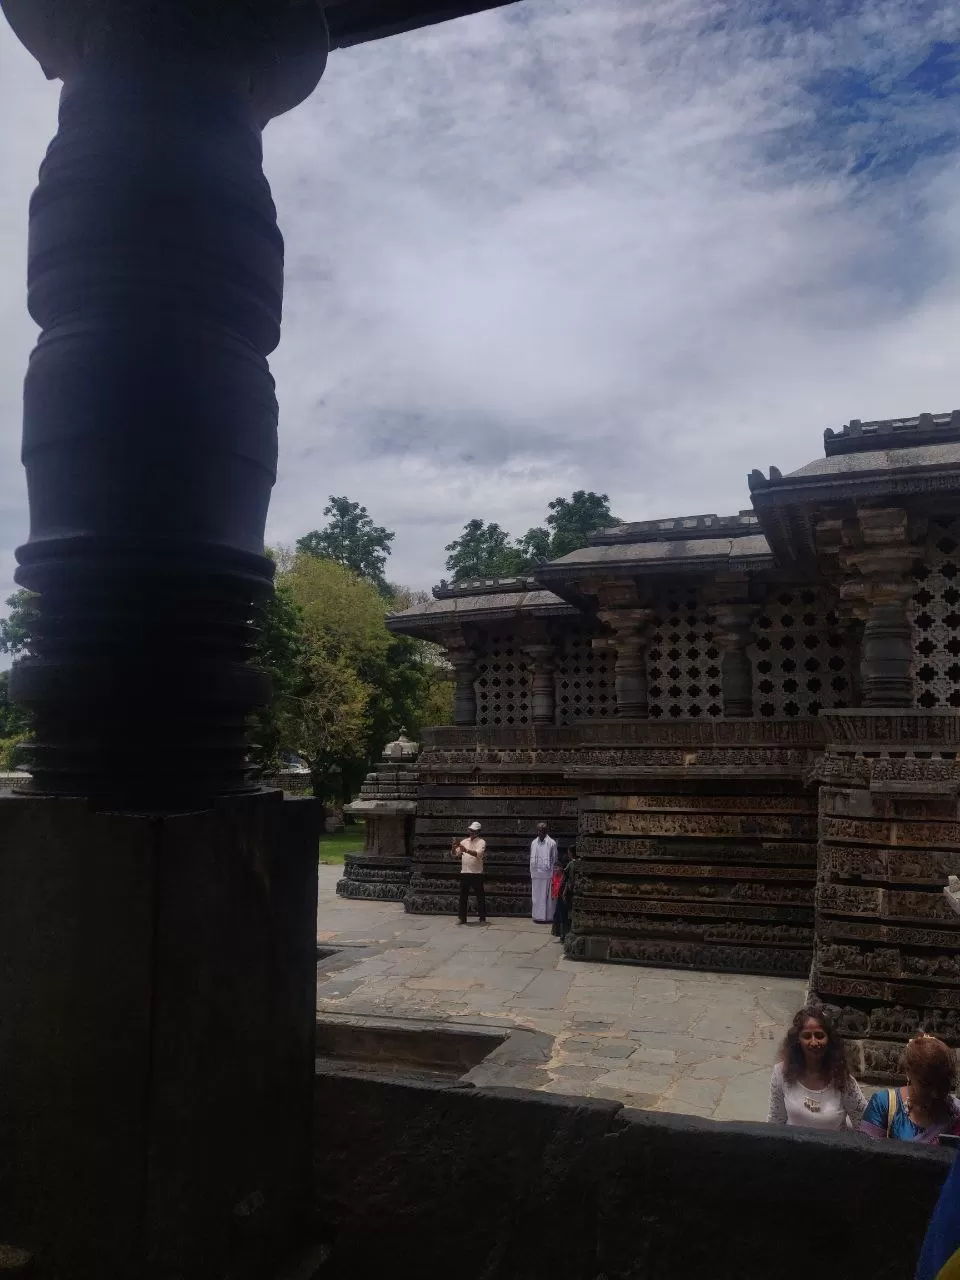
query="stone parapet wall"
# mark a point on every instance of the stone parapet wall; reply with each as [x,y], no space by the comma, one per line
[457,1177]
[888,946]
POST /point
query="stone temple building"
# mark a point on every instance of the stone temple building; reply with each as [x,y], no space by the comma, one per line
[747,725]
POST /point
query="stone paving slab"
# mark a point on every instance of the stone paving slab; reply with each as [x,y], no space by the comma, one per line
[693,1043]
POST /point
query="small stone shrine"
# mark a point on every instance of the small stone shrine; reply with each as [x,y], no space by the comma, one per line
[387,803]
[747,724]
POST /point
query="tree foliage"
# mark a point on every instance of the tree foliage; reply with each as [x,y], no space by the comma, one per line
[570,523]
[15,632]
[344,684]
[351,539]
[486,550]
[16,627]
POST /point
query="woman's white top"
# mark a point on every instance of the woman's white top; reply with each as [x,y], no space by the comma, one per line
[826,1109]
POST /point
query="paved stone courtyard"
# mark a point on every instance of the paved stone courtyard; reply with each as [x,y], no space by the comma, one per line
[698,1043]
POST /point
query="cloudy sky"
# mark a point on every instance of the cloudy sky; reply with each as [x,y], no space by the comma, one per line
[639,246]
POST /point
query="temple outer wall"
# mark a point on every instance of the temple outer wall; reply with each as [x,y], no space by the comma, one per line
[700,852]
[516,1184]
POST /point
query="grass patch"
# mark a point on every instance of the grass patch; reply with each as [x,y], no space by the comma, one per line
[334,844]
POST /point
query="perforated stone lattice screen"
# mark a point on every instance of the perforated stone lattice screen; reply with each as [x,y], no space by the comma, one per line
[935,618]
[683,661]
[585,683]
[503,684]
[801,657]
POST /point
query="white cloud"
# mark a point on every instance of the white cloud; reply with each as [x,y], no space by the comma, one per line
[560,245]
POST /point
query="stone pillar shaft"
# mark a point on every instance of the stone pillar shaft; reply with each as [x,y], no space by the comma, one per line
[630,669]
[736,669]
[542,664]
[464,662]
[887,661]
[878,589]
[150,436]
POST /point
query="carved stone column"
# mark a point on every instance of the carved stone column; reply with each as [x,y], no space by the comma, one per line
[629,627]
[542,659]
[157,910]
[463,658]
[879,557]
[736,670]
[150,419]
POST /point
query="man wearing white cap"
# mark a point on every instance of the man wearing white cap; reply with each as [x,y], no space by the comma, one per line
[470,851]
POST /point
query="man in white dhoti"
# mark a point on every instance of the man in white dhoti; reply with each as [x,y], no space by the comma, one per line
[543,858]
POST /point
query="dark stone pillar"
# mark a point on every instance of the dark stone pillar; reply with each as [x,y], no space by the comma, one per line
[156,276]
[463,659]
[736,669]
[630,669]
[542,661]
[878,585]
[887,656]
[157,925]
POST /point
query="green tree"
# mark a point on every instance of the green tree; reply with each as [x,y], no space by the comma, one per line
[569,525]
[279,652]
[343,684]
[13,727]
[15,633]
[484,551]
[16,627]
[325,632]
[352,539]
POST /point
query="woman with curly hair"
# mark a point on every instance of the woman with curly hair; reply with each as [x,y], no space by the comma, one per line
[923,1108]
[811,1085]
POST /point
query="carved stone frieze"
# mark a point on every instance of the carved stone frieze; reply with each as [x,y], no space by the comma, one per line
[884,904]
[920,835]
[689,955]
[761,852]
[795,761]
[796,802]
[892,993]
[447,787]
[460,807]
[906,935]
[893,730]
[620,733]
[499,825]
[625,915]
[790,827]
[892,866]
[834,767]
[681,873]
[848,959]
[915,805]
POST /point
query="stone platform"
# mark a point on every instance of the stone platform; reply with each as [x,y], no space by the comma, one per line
[676,1041]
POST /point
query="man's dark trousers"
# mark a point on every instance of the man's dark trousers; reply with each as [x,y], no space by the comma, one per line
[470,881]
